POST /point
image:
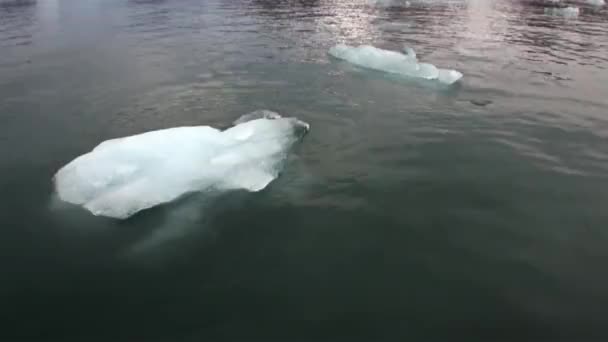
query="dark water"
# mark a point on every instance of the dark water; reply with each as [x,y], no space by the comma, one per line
[410,212]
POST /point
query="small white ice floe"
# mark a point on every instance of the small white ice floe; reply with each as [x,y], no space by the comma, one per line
[389,3]
[568,12]
[596,2]
[393,62]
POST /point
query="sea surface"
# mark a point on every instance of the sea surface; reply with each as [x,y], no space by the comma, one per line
[412,211]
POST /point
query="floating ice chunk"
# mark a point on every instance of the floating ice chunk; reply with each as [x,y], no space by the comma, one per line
[596,2]
[258,114]
[389,3]
[569,12]
[448,76]
[122,176]
[393,62]
[394,26]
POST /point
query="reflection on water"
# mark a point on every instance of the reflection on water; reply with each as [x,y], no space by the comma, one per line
[17,23]
[410,211]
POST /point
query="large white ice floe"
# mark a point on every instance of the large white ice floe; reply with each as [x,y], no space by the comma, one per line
[596,2]
[122,176]
[393,62]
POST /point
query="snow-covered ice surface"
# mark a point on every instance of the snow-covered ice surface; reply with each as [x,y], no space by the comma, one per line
[393,62]
[122,176]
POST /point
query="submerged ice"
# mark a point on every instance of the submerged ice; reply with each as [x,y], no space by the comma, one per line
[393,62]
[122,176]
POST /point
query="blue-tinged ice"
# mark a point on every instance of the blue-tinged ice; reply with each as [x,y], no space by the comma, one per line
[393,62]
[121,177]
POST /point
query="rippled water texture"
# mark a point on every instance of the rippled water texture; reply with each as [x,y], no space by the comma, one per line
[412,210]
